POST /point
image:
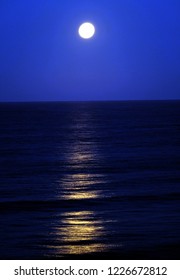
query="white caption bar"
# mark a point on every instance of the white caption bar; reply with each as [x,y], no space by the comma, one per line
[94,269]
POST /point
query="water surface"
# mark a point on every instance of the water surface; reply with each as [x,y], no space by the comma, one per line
[90,180]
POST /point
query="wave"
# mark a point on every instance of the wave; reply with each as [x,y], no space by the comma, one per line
[40,205]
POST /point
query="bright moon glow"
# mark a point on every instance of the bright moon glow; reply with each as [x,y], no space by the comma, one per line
[86,30]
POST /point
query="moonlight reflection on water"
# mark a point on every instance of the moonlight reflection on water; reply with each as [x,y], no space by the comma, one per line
[79,233]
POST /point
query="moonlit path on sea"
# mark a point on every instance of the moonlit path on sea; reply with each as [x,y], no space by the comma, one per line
[90,180]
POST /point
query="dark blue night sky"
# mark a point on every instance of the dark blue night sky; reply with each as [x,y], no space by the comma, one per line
[135,53]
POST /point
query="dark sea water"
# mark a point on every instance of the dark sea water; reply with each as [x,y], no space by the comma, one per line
[90,180]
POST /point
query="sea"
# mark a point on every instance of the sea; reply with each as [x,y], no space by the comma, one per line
[90,180]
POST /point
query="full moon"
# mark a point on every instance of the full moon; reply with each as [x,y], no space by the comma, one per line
[86,30]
